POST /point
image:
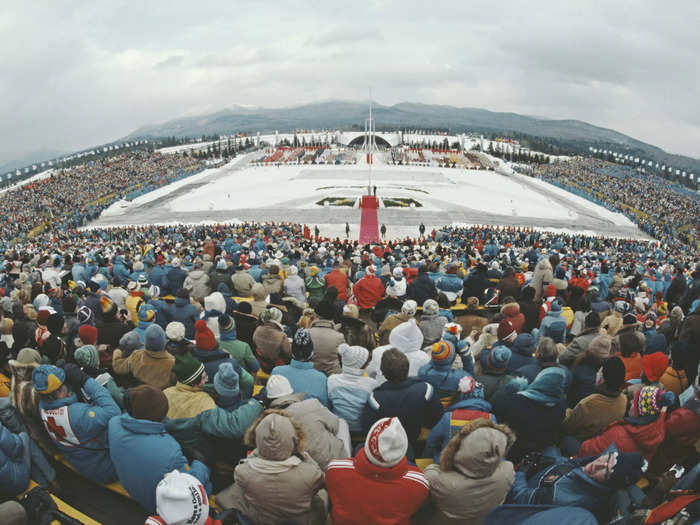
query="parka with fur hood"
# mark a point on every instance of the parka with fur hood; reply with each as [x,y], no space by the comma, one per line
[473,476]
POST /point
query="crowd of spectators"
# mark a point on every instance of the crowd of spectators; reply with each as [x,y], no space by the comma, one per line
[368,383]
[666,211]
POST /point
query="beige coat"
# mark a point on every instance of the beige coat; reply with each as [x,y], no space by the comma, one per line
[326,339]
[473,477]
[187,401]
[320,426]
[146,366]
[593,414]
[243,283]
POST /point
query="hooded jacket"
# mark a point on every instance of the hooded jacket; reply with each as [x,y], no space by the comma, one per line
[214,305]
[431,326]
[186,313]
[473,476]
[243,283]
[511,311]
[143,452]
[14,469]
[406,337]
[197,283]
[272,346]
[442,377]
[348,393]
[541,277]
[303,377]
[579,345]
[522,352]
[146,366]
[628,436]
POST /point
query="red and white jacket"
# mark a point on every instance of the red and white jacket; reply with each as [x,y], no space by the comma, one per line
[362,492]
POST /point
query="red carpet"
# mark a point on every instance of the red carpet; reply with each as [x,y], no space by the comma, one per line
[369,225]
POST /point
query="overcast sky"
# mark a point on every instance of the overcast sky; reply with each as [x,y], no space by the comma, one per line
[78,74]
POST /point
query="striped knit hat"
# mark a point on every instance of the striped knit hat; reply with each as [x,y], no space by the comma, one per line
[442,352]
[647,401]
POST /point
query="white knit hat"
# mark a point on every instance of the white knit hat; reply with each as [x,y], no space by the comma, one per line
[386,442]
[175,331]
[430,307]
[398,272]
[353,356]
[182,500]
[409,307]
[278,386]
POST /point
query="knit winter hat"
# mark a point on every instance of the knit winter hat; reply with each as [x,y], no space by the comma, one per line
[130,341]
[226,381]
[55,324]
[226,323]
[406,337]
[302,345]
[188,369]
[654,365]
[498,358]
[271,315]
[525,344]
[470,388]
[142,280]
[647,401]
[275,437]
[442,352]
[278,386]
[154,291]
[175,331]
[48,378]
[600,346]
[42,316]
[181,500]
[397,273]
[350,310]
[353,356]
[87,334]
[409,308]
[592,320]
[155,339]
[371,270]
[555,306]
[107,305]
[430,307]
[550,291]
[629,320]
[548,387]
[146,402]
[626,470]
[146,313]
[87,356]
[85,315]
[386,442]
[656,343]
[506,330]
[203,337]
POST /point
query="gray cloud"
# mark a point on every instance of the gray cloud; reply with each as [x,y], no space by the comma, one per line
[109,68]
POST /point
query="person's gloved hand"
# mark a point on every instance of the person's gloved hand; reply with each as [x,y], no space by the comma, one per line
[75,377]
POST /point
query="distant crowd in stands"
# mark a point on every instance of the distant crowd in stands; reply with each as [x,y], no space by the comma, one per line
[330,373]
[666,211]
[68,198]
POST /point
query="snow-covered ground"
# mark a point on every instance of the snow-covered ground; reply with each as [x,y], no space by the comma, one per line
[239,191]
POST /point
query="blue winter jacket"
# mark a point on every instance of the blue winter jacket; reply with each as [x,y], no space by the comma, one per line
[566,485]
[157,277]
[120,270]
[14,470]
[521,352]
[78,272]
[440,434]
[553,325]
[79,430]
[141,330]
[174,279]
[305,378]
[184,312]
[449,283]
[442,378]
[143,452]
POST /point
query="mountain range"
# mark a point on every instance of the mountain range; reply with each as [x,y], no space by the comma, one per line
[564,135]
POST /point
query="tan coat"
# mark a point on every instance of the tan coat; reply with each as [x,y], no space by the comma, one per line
[389,324]
[473,477]
[326,340]
[187,401]
[591,416]
[146,366]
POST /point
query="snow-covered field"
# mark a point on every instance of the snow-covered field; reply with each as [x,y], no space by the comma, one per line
[239,191]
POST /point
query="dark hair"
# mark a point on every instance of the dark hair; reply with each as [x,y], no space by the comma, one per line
[394,365]
[630,343]
[528,293]
[183,293]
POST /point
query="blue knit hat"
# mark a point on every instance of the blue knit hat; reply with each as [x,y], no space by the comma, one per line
[627,469]
[498,357]
[524,344]
[548,387]
[226,381]
[48,378]
[154,339]
[146,313]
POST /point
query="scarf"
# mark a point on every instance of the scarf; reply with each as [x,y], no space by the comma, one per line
[231,335]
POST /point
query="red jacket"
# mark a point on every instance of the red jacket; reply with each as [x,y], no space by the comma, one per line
[363,493]
[512,314]
[368,291]
[340,281]
[644,439]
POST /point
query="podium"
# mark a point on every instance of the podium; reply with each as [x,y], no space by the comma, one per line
[369,224]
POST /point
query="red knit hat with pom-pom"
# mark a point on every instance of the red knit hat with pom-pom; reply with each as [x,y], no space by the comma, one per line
[203,337]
